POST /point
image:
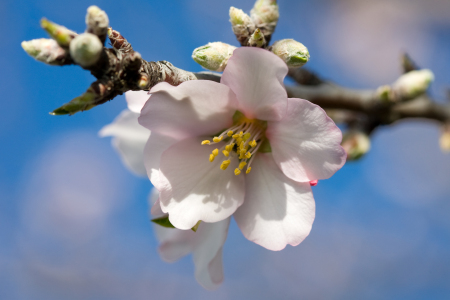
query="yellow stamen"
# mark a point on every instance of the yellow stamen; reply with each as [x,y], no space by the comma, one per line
[237,171]
[226,153]
[242,165]
[246,136]
[230,133]
[206,142]
[241,134]
[253,144]
[235,136]
[248,155]
[225,164]
[217,139]
[215,152]
[238,141]
[248,170]
[211,157]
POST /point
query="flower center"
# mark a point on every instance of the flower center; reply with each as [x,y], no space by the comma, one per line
[243,140]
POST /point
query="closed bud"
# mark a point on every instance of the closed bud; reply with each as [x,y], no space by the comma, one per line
[46,50]
[293,53]
[213,56]
[242,25]
[257,39]
[97,22]
[444,140]
[86,49]
[412,84]
[60,34]
[356,144]
[265,14]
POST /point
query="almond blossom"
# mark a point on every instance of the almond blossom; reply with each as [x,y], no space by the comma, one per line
[240,147]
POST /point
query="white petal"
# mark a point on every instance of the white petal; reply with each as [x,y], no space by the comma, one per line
[195,189]
[136,100]
[153,151]
[197,107]
[306,144]
[207,253]
[277,210]
[154,203]
[256,77]
[129,140]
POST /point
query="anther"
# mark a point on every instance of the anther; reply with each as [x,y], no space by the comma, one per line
[226,153]
[248,170]
[215,152]
[237,171]
[242,164]
[230,133]
[248,155]
[206,142]
[235,136]
[253,143]
[211,157]
[225,164]
[217,139]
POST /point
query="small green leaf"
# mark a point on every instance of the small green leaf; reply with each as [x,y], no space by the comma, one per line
[194,229]
[163,221]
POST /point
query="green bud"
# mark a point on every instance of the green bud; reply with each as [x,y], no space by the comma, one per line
[97,21]
[356,144]
[242,25]
[257,39]
[265,14]
[413,84]
[86,49]
[46,50]
[213,56]
[293,53]
[60,34]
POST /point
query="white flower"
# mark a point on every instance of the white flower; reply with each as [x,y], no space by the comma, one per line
[249,110]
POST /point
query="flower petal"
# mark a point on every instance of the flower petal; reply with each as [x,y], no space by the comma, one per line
[154,203]
[196,107]
[192,188]
[153,151]
[306,144]
[277,210]
[206,245]
[129,139]
[256,77]
[136,100]
[207,254]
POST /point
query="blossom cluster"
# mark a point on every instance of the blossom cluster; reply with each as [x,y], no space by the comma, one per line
[239,148]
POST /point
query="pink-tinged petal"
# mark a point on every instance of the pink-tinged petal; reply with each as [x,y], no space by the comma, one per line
[154,203]
[306,144]
[192,188]
[256,77]
[277,210]
[129,140]
[153,151]
[196,107]
[136,100]
[207,253]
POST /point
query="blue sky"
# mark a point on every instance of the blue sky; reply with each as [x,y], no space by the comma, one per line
[74,222]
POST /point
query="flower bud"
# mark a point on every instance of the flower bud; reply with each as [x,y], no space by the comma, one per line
[257,39]
[86,49]
[213,56]
[60,34]
[97,22]
[293,53]
[265,14]
[46,50]
[444,140]
[356,144]
[412,84]
[242,25]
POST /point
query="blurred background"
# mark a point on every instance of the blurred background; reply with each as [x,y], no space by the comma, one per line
[74,222]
